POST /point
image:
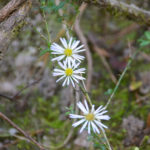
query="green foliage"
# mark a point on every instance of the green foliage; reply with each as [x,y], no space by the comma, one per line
[50,6]
[69,110]
[47,50]
[108,92]
[51,115]
[145,40]
[99,142]
[23,145]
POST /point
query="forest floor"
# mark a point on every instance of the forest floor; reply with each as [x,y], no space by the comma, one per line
[37,105]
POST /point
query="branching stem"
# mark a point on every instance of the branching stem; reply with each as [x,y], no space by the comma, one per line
[120,79]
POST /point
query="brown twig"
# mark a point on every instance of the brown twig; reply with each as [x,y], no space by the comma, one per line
[7,97]
[106,65]
[84,41]
[17,140]
[143,98]
[27,86]
[12,98]
[103,59]
[117,36]
[21,131]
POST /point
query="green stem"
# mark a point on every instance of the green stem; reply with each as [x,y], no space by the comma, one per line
[120,79]
[86,94]
[46,25]
[41,35]
[109,147]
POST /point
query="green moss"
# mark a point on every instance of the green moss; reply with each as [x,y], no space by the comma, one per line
[17,28]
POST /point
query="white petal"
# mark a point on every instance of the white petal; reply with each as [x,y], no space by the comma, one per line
[89,128]
[68,80]
[61,65]
[64,83]
[83,127]
[60,78]
[58,73]
[70,41]
[103,117]
[103,112]
[75,65]
[95,129]
[75,79]
[72,82]
[81,70]
[93,108]
[56,53]
[75,44]
[79,47]
[58,58]
[78,51]
[86,105]
[98,109]
[78,77]
[58,70]
[64,42]
[82,108]
[57,47]
[78,123]
[76,56]
[100,124]
[75,116]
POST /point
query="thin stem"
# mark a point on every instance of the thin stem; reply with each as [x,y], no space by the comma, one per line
[41,35]
[7,97]
[86,94]
[46,25]
[107,141]
[120,79]
[21,131]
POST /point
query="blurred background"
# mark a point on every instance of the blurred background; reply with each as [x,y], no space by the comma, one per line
[30,97]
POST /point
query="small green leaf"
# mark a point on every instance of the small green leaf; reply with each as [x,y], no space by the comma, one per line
[144,43]
[61,4]
[147,34]
[44,51]
[67,113]
[108,92]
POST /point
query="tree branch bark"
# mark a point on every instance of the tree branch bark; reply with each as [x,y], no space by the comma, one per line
[12,19]
[9,8]
[130,11]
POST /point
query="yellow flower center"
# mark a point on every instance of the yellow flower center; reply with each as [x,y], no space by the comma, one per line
[69,72]
[90,117]
[68,52]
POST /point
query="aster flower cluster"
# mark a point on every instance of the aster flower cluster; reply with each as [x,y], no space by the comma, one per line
[69,59]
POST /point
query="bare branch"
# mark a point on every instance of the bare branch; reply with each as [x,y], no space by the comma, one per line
[12,22]
[9,8]
[7,97]
[84,41]
[130,11]
[12,98]
[20,130]
[103,59]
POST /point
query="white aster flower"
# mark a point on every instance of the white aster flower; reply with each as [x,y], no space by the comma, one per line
[69,73]
[68,51]
[90,118]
